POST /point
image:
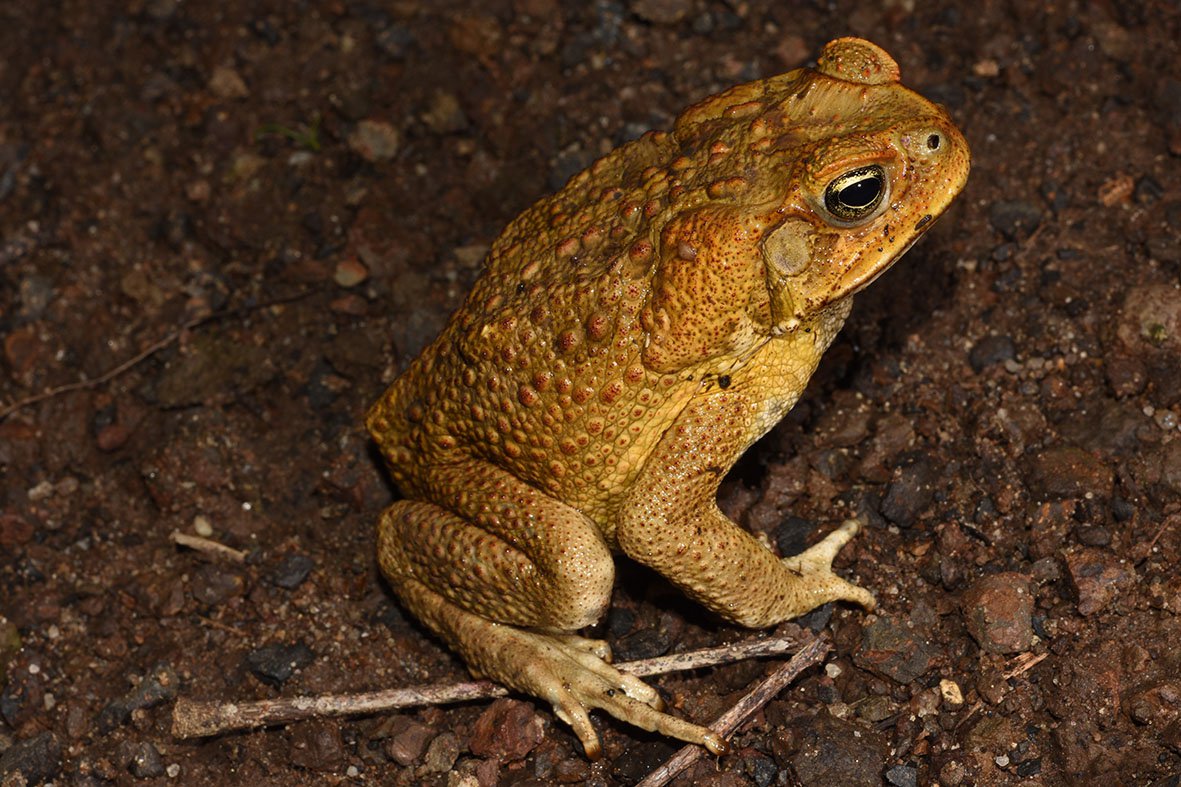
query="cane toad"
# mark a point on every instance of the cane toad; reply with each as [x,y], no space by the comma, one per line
[629,338]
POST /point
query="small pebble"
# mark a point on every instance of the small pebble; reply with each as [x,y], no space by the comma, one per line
[375,140]
[275,664]
[1165,419]
[1069,472]
[1093,535]
[112,437]
[991,350]
[227,83]
[619,622]
[1153,705]
[643,644]
[1098,578]
[41,492]
[903,776]
[292,570]
[1003,251]
[998,612]
[909,493]
[158,686]
[31,761]
[317,746]
[1014,218]
[506,731]
[1030,768]
[214,584]
[202,526]
[146,762]
[441,754]
[952,695]
[350,272]
[444,115]
[661,12]
[1150,316]
[875,708]
[408,741]
[894,650]
[1126,374]
[791,536]
[761,769]
[24,352]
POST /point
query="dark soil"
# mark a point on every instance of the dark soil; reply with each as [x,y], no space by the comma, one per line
[287,199]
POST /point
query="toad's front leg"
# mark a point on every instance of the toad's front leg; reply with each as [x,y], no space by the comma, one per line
[671,522]
[503,576]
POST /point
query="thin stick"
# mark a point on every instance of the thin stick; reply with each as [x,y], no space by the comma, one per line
[146,353]
[222,627]
[1159,533]
[1025,662]
[977,705]
[731,720]
[711,657]
[208,546]
[194,719]
[109,375]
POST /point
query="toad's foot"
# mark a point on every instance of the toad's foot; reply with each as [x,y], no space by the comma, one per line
[814,567]
[570,673]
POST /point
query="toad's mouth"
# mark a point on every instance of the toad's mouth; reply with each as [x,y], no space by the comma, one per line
[799,286]
[920,229]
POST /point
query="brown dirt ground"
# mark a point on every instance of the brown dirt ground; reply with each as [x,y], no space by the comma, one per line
[303,191]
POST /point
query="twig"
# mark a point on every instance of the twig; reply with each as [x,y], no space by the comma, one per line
[711,657]
[977,705]
[194,719]
[1152,544]
[222,627]
[1027,662]
[1023,663]
[731,720]
[208,546]
[145,353]
[109,375]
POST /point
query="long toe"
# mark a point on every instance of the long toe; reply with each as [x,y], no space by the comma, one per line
[576,682]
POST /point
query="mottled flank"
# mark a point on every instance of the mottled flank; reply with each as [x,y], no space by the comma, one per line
[629,338]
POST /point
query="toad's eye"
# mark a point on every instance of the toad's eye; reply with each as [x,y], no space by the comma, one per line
[856,194]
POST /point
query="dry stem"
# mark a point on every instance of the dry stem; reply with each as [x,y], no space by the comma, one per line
[208,546]
[732,719]
[192,719]
[144,354]
[1024,663]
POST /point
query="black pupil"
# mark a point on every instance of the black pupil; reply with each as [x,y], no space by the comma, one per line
[933,142]
[861,192]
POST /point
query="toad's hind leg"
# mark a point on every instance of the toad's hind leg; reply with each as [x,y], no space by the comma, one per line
[495,546]
[550,667]
[503,579]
